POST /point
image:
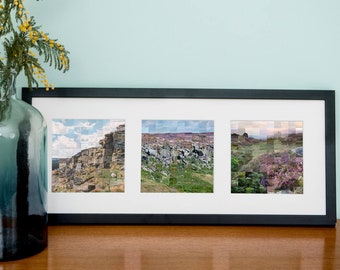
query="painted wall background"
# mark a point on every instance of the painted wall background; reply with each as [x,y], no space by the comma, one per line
[259,44]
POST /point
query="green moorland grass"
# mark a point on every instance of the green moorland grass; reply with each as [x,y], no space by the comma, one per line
[264,147]
[178,180]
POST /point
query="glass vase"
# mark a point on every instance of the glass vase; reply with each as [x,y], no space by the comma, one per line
[23,177]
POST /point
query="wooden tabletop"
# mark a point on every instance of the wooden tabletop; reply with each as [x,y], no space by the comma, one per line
[185,247]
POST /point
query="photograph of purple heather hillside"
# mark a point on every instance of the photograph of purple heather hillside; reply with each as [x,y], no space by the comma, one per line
[267,157]
[88,155]
[177,156]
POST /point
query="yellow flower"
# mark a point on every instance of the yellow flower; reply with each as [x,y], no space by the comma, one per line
[22,28]
[51,43]
[34,39]
[32,54]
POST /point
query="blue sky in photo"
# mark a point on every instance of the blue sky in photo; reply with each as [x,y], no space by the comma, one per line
[177,126]
[70,136]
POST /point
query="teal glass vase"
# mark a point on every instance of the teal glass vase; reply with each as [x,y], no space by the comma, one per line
[23,177]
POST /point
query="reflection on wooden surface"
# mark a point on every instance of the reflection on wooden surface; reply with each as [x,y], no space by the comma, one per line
[185,247]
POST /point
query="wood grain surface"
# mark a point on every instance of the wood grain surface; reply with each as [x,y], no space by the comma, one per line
[185,247]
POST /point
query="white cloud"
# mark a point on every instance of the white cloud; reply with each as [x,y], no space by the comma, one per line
[112,126]
[92,140]
[71,139]
[59,128]
[64,147]
[86,125]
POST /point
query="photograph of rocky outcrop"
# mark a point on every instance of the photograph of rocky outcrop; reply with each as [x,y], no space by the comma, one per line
[177,156]
[88,155]
[267,157]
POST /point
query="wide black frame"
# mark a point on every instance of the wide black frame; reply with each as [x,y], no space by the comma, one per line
[328,96]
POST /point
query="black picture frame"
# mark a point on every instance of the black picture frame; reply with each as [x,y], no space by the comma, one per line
[326,96]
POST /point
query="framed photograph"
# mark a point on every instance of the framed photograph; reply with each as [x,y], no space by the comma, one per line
[189,156]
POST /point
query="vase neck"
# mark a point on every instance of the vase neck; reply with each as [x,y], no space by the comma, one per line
[12,86]
[8,88]
[7,92]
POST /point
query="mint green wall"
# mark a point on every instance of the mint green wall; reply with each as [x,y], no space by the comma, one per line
[286,44]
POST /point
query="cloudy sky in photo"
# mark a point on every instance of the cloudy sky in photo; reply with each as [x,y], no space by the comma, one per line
[176,126]
[70,136]
[264,129]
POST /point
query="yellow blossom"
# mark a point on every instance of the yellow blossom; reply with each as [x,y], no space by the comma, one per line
[33,38]
[22,28]
[51,43]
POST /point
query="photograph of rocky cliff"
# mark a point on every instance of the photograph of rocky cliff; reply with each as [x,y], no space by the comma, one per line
[267,157]
[88,155]
[177,156]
